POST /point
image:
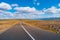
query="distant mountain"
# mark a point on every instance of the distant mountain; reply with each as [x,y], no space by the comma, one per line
[48,18]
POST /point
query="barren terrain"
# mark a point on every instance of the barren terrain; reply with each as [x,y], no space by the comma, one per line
[5,24]
[50,25]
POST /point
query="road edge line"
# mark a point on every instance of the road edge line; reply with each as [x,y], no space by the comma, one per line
[27,32]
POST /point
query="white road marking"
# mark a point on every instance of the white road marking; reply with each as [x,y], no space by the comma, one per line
[27,32]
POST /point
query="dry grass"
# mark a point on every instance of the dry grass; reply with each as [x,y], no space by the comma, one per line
[5,24]
[51,25]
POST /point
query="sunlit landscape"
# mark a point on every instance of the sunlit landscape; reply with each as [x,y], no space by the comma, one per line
[29,19]
[49,25]
[6,24]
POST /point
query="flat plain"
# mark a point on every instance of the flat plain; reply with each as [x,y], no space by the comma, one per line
[6,24]
[49,25]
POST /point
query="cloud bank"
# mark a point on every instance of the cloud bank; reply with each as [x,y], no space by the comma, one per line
[27,12]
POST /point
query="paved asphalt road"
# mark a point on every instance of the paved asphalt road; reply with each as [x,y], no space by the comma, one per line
[22,31]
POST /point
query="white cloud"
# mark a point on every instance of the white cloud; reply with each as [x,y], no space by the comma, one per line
[15,5]
[24,16]
[52,10]
[25,9]
[34,13]
[31,10]
[59,4]
[5,15]
[38,4]
[27,12]
[30,13]
[5,6]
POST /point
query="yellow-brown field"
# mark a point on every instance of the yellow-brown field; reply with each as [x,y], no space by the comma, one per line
[5,24]
[50,25]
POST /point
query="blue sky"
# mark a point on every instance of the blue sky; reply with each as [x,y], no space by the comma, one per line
[43,3]
[29,9]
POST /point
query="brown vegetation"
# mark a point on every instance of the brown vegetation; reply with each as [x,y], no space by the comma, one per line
[5,24]
[51,25]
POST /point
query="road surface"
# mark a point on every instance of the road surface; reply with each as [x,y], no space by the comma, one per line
[22,31]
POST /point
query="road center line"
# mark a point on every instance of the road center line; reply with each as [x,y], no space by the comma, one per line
[27,32]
